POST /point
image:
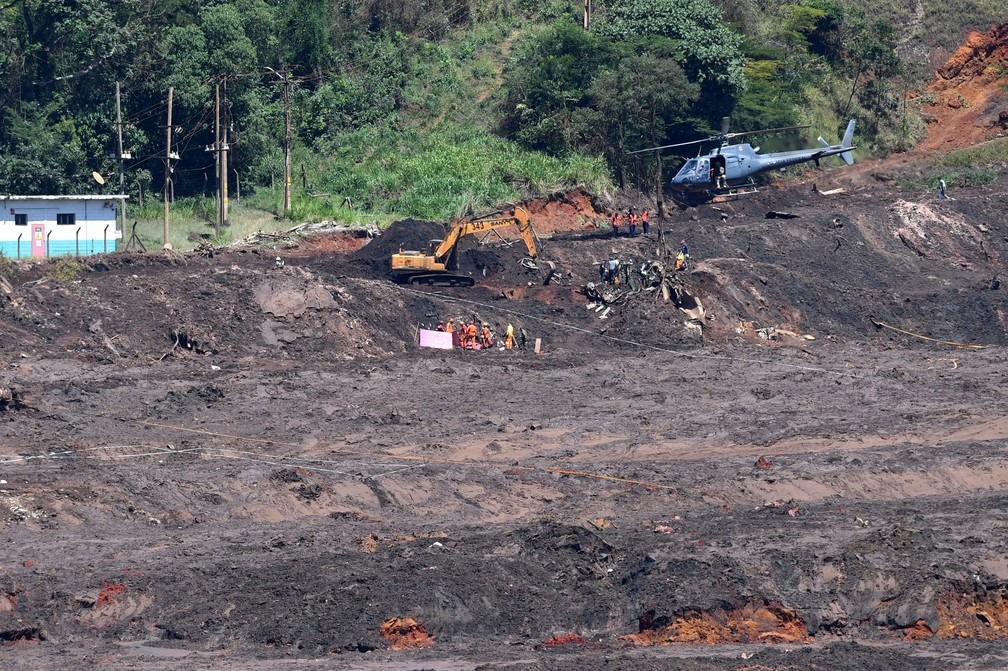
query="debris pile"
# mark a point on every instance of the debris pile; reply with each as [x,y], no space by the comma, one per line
[404,632]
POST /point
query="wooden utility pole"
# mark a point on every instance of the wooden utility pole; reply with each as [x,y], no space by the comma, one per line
[216,149]
[122,179]
[167,172]
[288,141]
[224,163]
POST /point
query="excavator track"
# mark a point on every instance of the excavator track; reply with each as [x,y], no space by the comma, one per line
[435,279]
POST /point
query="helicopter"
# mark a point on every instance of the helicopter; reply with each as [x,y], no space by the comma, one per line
[727,171]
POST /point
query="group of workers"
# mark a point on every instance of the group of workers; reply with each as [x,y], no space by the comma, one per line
[632,219]
[614,271]
[471,336]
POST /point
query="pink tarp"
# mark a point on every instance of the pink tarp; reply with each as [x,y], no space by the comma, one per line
[435,339]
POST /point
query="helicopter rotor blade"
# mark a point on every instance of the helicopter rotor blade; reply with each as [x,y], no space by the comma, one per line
[765,130]
[668,146]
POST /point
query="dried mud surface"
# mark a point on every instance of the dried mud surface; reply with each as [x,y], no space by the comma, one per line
[209,461]
[213,462]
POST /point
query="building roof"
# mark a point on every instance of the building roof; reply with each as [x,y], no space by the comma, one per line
[110,196]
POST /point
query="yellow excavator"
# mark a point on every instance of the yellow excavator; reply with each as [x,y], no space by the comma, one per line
[438,265]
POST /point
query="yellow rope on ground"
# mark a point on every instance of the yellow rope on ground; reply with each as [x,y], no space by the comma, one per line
[924,337]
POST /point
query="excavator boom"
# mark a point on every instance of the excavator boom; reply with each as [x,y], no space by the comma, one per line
[422,268]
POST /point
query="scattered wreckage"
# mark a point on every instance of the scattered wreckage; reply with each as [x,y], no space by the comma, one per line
[653,277]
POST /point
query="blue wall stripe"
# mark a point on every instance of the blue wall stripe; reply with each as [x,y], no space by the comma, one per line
[58,247]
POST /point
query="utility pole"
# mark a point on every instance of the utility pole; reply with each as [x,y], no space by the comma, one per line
[167,172]
[288,136]
[587,14]
[122,179]
[224,163]
[287,144]
[216,149]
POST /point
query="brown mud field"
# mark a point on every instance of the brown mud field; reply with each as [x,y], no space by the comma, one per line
[210,461]
[793,455]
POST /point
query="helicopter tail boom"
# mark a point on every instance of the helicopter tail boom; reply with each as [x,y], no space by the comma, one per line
[848,143]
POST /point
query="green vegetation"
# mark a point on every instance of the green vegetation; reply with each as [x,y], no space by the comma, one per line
[9,269]
[983,155]
[432,109]
[66,270]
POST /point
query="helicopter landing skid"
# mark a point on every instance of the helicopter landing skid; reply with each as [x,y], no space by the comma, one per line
[731,193]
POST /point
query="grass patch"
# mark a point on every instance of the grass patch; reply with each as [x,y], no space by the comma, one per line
[982,155]
[954,178]
[447,172]
[192,222]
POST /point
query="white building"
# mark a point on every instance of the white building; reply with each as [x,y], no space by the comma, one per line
[44,226]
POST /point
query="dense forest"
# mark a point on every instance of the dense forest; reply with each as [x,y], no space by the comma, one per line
[433,107]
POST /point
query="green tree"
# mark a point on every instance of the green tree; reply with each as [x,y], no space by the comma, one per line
[640,99]
[710,52]
[871,60]
[44,156]
[547,80]
[305,36]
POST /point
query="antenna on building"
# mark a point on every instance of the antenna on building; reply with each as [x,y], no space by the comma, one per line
[98,178]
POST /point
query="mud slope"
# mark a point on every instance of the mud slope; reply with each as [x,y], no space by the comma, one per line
[212,461]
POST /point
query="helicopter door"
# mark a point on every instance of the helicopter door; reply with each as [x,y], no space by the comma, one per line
[704,169]
[718,166]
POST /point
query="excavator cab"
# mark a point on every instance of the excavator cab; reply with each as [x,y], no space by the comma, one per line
[436,265]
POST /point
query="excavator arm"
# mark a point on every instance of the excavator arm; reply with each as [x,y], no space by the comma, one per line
[520,218]
[433,267]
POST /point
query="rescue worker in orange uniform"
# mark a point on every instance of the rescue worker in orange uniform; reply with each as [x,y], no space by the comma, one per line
[471,335]
[509,337]
[487,336]
[632,217]
[616,221]
[644,221]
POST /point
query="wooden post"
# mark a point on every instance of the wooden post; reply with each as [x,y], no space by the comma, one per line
[288,143]
[217,159]
[122,179]
[224,166]
[167,174]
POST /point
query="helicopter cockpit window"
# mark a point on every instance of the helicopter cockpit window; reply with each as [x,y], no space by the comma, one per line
[688,168]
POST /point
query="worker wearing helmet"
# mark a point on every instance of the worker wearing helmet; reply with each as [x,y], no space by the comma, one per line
[487,336]
[509,337]
[471,335]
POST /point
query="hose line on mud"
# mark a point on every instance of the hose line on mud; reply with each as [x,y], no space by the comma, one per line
[879,324]
[624,341]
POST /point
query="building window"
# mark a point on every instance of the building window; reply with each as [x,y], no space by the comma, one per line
[20,219]
[66,219]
